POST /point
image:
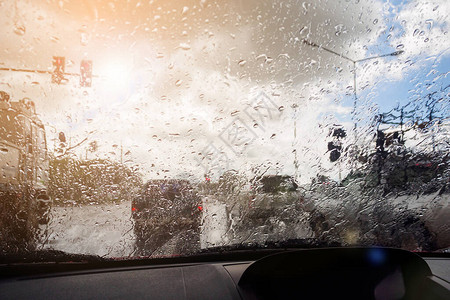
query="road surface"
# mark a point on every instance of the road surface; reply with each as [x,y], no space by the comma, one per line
[104,230]
[107,230]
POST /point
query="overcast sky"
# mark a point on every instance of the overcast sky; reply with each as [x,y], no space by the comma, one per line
[173,75]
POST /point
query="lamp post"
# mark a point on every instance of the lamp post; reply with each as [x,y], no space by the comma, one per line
[355,97]
[396,53]
[294,143]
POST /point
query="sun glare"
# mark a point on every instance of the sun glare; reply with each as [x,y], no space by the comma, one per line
[116,76]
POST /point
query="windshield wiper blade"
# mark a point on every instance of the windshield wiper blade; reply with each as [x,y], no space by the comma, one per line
[306,243]
[47,256]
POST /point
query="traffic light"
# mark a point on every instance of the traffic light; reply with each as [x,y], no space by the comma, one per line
[339,133]
[62,137]
[335,146]
[86,73]
[59,66]
[334,155]
[335,150]
[381,139]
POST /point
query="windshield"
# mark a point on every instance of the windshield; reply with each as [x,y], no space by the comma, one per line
[174,127]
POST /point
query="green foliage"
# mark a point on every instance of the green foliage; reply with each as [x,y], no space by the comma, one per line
[407,172]
[231,183]
[91,181]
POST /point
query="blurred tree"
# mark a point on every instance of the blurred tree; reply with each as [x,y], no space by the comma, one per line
[91,181]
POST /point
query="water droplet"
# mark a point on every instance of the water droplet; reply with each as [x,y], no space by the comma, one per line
[340,29]
[178,82]
[273,136]
[242,62]
[430,23]
[84,39]
[305,7]
[281,108]
[416,32]
[234,113]
[261,56]
[19,29]
[155,136]
[400,47]
[426,40]
[185,46]
[185,9]
[375,21]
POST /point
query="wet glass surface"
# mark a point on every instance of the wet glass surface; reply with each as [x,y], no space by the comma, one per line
[154,128]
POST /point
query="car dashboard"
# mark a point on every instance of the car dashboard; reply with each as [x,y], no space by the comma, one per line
[332,273]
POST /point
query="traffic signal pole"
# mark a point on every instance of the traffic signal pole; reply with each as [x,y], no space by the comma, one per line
[58,73]
[25,70]
[36,71]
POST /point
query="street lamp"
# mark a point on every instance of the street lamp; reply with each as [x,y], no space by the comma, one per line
[312,44]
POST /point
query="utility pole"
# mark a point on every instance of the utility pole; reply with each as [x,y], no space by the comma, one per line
[401,125]
[432,127]
[405,167]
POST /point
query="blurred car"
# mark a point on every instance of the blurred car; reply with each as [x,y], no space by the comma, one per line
[24,166]
[164,209]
